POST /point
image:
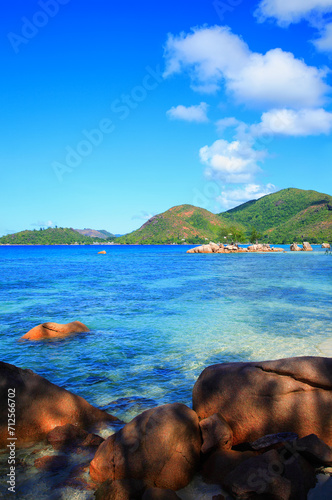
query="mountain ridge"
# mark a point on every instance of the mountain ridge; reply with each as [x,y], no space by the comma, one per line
[286,216]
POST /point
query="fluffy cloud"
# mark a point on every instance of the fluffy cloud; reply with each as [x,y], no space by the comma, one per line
[231,162]
[143,216]
[42,223]
[286,12]
[215,56]
[324,42]
[196,113]
[304,122]
[230,198]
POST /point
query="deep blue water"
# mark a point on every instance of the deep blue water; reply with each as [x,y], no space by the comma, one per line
[157,315]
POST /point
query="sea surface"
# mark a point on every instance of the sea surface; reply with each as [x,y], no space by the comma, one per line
[158,317]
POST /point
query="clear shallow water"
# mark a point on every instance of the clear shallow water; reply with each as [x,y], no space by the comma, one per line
[157,316]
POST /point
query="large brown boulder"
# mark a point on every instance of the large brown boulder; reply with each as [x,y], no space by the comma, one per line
[269,397]
[326,245]
[306,247]
[55,330]
[40,406]
[295,248]
[161,447]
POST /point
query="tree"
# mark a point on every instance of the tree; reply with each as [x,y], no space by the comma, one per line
[223,234]
[254,236]
[236,234]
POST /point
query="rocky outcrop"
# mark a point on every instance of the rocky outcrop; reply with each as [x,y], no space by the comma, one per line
[285,471]
[271,475]
[54,330]
[103,252]
[295,248]
[326,245]
[214,248]
[160,447]
[259,398]
[40,406]
[306,247]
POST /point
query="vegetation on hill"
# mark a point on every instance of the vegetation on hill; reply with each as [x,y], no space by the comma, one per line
[286,216]
[94,233]
[50,236]
[180,224]
[279,218]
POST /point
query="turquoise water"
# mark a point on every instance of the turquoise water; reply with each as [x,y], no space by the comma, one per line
[158,316]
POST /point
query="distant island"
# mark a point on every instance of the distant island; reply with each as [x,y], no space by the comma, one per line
[287,216]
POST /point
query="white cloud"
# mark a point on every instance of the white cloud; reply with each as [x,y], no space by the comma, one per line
[196,113]
[41,223]
[231,162]
[286,12]
[143,216]
[230,198]
[324,43]
[304,122]
[215,56]
[229,122]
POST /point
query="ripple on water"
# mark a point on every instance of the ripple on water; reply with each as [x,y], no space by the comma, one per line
[157,319]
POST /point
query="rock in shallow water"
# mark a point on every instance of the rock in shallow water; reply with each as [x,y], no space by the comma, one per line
[161,447]
[40,406]
[268,397]
[55,330]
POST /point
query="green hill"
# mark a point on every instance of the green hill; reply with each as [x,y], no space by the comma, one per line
[50,236]
[183,223]
[286,216]
[94,233]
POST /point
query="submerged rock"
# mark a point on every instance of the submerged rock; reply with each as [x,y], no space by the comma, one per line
[71,435]
[40,406]
[269,397]
[55,330]
[102,252]
[161,447]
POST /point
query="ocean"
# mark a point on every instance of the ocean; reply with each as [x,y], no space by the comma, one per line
[157,316]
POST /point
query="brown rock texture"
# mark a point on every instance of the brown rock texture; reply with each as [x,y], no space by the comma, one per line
[295,248]
[221,463]
[269,397]
[40,406]
[271,476]
[103,252]
[216,433]
[306,247]
[326,245]
[161,447]
[55,330]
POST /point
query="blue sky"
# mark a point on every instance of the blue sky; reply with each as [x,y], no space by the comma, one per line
[114,111]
